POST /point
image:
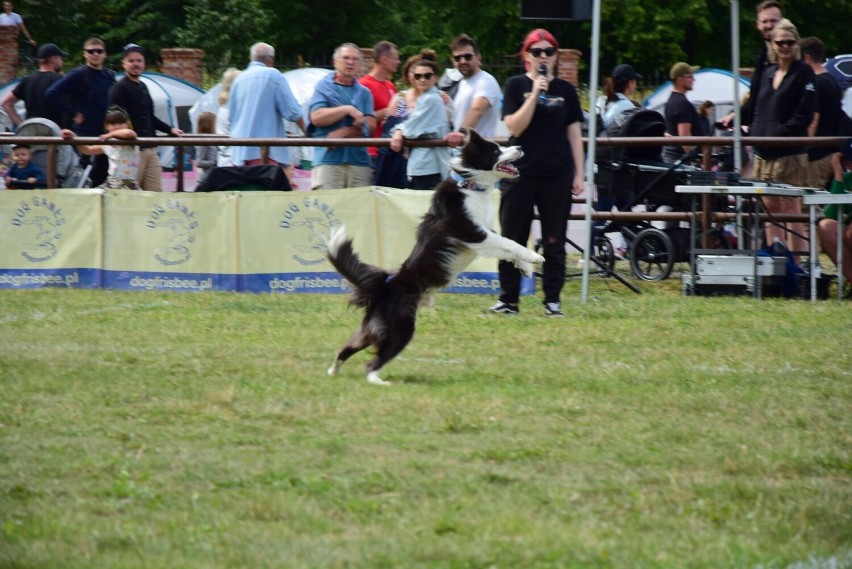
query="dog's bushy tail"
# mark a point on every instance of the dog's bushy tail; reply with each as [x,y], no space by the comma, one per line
[365,279]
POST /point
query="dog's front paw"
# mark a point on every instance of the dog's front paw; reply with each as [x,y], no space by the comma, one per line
[525,268]
[537,258]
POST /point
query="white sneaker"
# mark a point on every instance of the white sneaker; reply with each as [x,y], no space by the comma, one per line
[553,309]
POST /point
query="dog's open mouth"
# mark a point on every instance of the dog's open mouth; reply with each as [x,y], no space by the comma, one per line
[506,167]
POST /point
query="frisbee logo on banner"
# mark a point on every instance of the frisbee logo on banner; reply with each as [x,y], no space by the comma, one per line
[313,221]
[175,226]
[43,220]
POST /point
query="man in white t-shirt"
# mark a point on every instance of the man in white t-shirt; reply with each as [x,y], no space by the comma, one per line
[477,101]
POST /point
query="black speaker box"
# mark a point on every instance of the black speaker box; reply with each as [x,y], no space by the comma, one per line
[566,10]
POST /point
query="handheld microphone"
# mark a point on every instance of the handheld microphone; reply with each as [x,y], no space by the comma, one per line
[542,70]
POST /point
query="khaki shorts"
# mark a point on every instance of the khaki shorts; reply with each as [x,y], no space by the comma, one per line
[336,176]
[820,172]
[791,170]
[150,170]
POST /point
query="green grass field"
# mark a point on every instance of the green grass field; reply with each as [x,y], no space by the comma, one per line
[201,430]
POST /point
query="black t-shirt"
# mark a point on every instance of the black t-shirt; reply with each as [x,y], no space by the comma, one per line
[31,91]
[829,99]
[680,110]
[545,140]
[134,98]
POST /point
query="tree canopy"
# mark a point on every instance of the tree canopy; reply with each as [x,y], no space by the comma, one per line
[649,34]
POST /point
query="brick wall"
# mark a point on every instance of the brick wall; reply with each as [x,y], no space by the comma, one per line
[569,66]
[367,54]
[184,63]
[8,53]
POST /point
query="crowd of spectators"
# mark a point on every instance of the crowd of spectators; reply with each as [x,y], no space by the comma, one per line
[791,94]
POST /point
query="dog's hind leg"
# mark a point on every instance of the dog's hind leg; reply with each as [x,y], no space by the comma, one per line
[395,340]
[359,340]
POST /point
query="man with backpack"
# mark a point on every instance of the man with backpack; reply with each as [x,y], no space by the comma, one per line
[83,95]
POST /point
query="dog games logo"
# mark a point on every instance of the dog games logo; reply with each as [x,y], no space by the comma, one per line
[43,220]
[175,227]
[312,221]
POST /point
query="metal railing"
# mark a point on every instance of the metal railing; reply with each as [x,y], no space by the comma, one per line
[706,142]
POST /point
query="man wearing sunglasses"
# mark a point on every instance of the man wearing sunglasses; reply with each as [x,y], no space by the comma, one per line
[83,95]
[476,104]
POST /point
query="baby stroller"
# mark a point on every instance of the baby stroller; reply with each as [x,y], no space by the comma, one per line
[67,175]
[635,176]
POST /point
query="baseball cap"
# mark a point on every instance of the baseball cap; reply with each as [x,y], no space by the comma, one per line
[49,50]
[680,69]
[131,47]
[625,72]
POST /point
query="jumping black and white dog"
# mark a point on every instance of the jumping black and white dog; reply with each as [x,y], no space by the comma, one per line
[453,233]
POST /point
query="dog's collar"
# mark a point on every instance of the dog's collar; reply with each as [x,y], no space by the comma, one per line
[466,184]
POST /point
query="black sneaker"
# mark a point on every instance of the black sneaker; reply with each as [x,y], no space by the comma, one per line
[503,308]
[553,309]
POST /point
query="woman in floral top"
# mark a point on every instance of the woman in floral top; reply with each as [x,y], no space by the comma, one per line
[123,159]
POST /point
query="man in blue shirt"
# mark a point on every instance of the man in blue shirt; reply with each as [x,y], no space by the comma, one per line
[83,95]
[342,108]
[261,100]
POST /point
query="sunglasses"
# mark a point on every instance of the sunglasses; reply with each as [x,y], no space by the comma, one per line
[537,51]
[419,76]
[465,56]
[785,43]
[95,51]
